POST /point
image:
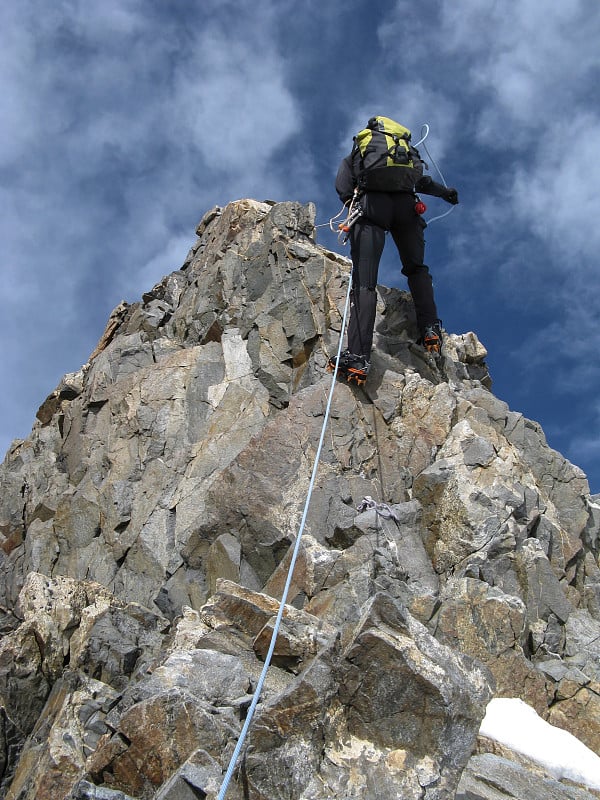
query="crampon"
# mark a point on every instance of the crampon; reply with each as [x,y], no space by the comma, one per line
[432,339]
[353,369]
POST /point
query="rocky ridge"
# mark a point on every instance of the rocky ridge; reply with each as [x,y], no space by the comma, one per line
[146,527]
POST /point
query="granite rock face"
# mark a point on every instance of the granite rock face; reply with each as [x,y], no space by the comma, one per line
[147,524]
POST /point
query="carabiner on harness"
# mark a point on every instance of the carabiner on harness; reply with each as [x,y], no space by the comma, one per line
[354,212]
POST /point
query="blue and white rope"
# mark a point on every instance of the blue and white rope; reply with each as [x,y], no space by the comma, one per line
[263,675]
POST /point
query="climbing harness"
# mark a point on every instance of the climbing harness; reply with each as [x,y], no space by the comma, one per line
[276,626]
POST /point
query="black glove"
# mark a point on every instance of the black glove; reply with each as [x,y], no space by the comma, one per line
[450,195]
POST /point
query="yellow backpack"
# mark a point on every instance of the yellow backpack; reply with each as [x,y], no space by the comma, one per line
[383,159]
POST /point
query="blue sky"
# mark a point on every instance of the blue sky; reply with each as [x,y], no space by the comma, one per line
[124,121]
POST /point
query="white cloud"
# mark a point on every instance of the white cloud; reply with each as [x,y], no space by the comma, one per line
[17,114]
[233,103]
[531,58]
[114,113]
[107,19]
[105,85]
[122,123]
[558,188]
[168,258]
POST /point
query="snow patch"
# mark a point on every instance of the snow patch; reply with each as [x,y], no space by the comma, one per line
[516,725]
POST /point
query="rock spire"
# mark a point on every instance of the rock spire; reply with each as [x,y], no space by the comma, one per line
[146,526]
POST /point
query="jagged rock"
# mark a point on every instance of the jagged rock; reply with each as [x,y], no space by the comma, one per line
[81,626]
[577,681]
[480,619]
[154,737]
[147,523]
[85,790]
[68,730]
[491,626]
[170,714]
[490,777]
[300,637]
[390,702]
[199,776]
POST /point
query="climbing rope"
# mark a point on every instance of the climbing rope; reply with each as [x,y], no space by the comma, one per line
[329,224]
[268,657]
[343,228]
[425,127]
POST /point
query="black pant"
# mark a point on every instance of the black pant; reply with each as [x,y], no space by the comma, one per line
[393,212]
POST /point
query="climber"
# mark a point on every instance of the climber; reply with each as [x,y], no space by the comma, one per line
[384,180]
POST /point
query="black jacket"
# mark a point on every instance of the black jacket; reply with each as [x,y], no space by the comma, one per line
[345,183]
